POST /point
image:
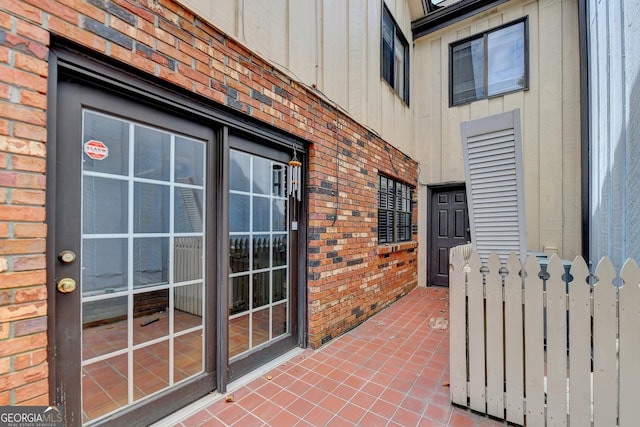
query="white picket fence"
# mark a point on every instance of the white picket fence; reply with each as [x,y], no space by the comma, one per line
[540,351]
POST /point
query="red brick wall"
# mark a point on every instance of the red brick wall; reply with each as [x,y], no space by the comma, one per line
[23,294]
[350,277]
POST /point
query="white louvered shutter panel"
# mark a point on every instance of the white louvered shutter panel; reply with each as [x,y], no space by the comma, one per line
[494,177]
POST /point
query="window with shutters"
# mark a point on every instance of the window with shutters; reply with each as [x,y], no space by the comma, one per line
[394,211]
[489,64]
[395,56]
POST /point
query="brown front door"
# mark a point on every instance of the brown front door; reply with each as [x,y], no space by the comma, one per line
[134,292]
[449,227]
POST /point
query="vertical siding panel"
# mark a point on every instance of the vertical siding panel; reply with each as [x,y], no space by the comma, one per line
[551,161]
[534,343]
[605,381]
[458,360]
[531,132]
[580,345]
[375,83]
[600,95]
[617,131]
[514,350]
[629,344]
[357,58]
[476,335]
[452,117]
[226,13]
[571,144]
[556,344]
[263,27]
[495,343]
[439,103]
[631,9]
[336,50]
[302,40]
[497,105]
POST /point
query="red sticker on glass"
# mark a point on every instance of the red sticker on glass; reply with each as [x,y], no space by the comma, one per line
[96,150]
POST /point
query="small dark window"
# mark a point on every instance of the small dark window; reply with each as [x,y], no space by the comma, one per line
[394,211]
[395,56]
[490,64]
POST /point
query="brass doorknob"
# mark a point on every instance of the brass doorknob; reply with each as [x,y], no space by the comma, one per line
[66,285]
[67,256]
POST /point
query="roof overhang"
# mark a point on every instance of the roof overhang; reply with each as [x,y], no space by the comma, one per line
[444,16]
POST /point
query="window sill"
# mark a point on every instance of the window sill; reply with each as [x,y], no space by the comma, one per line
[396,247]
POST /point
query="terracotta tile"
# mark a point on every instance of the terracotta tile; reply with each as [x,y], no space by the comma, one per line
[218,406]
[323,369]
[300,407]
[344,391]
[373,389]
[383,408]
[438,413]
[401,385]
[363,400]
[283,418]
[387,371]
[373,420]
[428,382]
[339,422]
[311,377]
[352,413]
[248,420]
[266,411]
[268,390]
[404,417]
[327,384]
[332,403]
[282,379]
[298,387]
[314,395]
[413,404]
[296,371]
[355,382]
[422,393]
[462,419]
[283,398]
[231,413]
[381,378]
[392,396]
[318,416]
[364,373]
[392,371]
[339,374]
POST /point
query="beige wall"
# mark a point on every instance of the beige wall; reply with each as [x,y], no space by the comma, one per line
[549,113]
[332,45]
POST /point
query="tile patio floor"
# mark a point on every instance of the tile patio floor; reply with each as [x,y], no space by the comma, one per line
[392,370]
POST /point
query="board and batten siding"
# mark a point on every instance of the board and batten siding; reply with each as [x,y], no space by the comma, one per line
[550,112]
[614,84]
[330,45]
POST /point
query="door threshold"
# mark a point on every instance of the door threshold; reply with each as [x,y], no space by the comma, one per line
[214,396]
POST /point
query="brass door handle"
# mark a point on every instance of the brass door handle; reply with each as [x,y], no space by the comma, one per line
[66,285]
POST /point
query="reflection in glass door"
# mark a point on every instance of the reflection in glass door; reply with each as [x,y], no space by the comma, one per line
[142,278]
[258,254]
